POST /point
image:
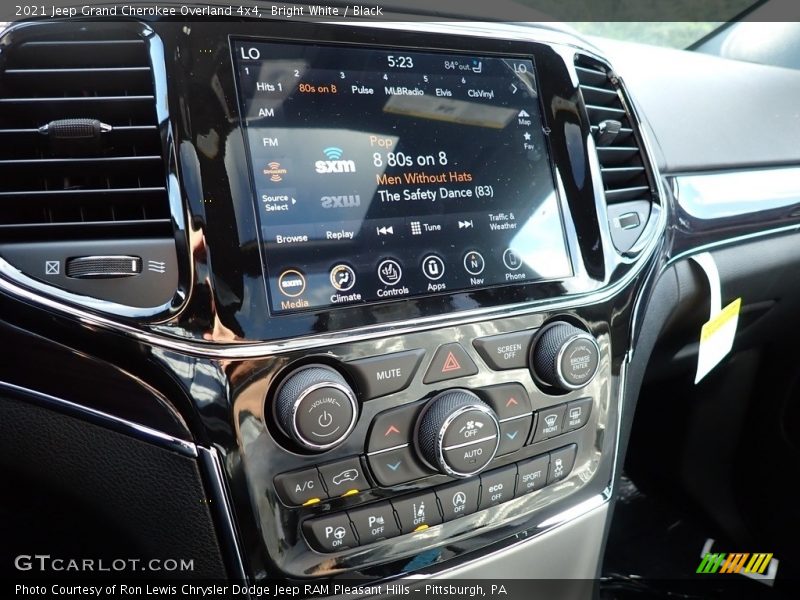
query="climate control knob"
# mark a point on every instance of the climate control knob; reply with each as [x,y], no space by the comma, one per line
[457,433]
[564,357]
[316,407]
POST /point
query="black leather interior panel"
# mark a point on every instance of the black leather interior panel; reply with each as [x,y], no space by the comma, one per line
[108,474]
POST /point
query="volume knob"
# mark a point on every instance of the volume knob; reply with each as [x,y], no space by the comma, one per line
[316,407]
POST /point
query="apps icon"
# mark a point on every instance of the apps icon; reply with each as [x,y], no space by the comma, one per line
[433,267]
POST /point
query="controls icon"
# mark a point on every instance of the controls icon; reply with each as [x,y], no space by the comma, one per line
[389,272]
[433,267]
[291,283]
[343,278]
[474,263]
[511,260]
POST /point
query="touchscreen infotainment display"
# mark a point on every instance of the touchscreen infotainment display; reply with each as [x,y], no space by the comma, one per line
[380,175]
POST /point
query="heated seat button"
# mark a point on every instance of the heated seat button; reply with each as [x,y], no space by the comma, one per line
[417,512]
[449,362]
[577,414]
[532,474]
[550,423]
[300,487]
[513,435]
[561,463]
[392,427]
[505,351]
[381,375]
[497,486]
[374,522]
[508,400]
[344,477]
[394,467]
[330,534]
[459,499]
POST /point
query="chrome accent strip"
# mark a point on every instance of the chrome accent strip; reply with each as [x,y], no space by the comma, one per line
[732,241]
[103,419]
[735,193]
[465,444]
[221,505]
[377,452]
[517,418]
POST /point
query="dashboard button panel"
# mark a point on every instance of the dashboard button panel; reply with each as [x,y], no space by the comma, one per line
[497,486]
[344,477]
[417,512]
[505,351]
[331,533]
[508,400]
[561,463]
[532,474]
[382,375]
[300,487]
[513,434]
[396,466]
[459,499]
[450,362]
[374,522]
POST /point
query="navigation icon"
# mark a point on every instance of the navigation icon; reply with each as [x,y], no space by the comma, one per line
[474,263]
[433,267]
[343,278]
[389,272]
[523,113]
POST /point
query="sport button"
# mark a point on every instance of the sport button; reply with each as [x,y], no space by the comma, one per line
[449,362]
[532,474]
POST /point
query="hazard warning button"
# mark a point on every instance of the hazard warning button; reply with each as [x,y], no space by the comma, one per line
[449,362]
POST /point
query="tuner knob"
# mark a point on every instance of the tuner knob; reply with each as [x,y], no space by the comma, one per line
[316,407]
[564,357]
[457,433]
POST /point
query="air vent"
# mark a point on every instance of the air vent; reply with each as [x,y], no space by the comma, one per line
[80,147]
[83,177]
[627,181]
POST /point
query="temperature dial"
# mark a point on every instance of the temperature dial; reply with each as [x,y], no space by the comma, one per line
[457,433]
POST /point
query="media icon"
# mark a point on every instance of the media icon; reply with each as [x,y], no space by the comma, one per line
[343,278]
[291,283]
[433,267]
[389,272]
[511,260]
[275,171]
[474,263]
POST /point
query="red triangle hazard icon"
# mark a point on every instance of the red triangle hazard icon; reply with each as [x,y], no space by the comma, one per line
[450,363]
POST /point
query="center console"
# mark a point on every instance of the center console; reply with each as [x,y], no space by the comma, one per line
[407,265]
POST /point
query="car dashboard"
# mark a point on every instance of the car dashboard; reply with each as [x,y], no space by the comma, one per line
[357,301]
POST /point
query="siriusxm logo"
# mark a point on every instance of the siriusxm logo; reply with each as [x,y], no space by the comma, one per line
[334,164]
[349,201]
